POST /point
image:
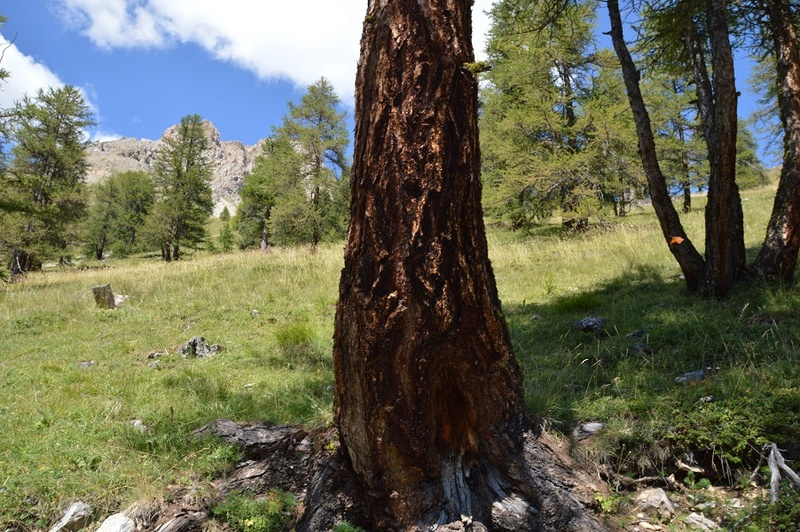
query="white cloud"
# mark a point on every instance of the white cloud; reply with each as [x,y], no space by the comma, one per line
[102,136]
[299,40]
[26,76]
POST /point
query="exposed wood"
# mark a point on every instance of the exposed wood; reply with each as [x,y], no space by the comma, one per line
[777,464]
[428,397]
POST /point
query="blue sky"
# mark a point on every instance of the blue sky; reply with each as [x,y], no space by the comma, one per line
[143,64]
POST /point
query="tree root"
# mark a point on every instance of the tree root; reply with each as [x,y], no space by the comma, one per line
[543,490]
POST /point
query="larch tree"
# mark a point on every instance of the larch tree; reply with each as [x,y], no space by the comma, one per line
[689,259]
[182,177]
[698,36]
[534,126]
[117,214]
[296,193]
[45,183]
[428,397]
[777,258]
[317,129]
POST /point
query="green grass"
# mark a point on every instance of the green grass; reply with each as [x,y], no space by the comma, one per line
[67,430]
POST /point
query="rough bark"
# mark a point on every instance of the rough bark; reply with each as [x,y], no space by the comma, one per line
[725,251]
[777,258]
[428,398]
[689,259]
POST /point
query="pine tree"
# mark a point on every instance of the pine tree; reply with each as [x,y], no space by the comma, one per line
[45,183]
[119,208]
[182,177]
[553,126]
[297,192]
[225,233]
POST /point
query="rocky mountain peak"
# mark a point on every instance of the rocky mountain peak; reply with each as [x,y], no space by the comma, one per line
[231,159]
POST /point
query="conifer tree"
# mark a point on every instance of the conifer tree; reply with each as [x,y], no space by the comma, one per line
[119,208]
[44,186]
[182,179]
[297,192]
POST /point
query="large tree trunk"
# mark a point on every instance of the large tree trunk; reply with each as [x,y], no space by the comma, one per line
[777,258]
[689,259]
[428,398]
[725,251]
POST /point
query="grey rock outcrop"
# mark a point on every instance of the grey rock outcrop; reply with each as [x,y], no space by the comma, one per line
[231,159]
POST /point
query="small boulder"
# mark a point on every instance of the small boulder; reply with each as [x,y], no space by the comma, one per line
[695,376]
[104,297]
[75,517]
[584,430]
[700,522]
[636,334]
[655,502]
[118,523]
[197,347]
[591,324]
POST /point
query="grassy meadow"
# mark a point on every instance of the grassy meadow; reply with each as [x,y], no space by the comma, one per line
[73,378]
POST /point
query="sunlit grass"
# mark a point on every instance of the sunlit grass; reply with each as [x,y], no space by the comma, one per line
[67,431]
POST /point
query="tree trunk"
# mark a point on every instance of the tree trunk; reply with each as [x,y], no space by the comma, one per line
[725,251]
[265,248]
[687,197]
[21,263]
[100,247]
[428,398]
[689,259]
[777,258]
[687,182]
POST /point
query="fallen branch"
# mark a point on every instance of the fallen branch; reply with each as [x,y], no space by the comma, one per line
[776,465]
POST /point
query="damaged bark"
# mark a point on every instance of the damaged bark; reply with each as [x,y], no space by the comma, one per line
[428,398]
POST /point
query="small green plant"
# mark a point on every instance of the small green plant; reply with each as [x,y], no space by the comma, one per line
[781,516]
[696,484]
[344,526]
[246,514]
[610,504]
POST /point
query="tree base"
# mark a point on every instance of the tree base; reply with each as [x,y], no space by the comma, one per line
[541,490]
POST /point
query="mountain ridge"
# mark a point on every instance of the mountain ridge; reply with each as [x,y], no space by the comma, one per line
[231,159]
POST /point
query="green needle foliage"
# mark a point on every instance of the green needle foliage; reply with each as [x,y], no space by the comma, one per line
[298,192]
[182,180]
[119,208]
[44,186]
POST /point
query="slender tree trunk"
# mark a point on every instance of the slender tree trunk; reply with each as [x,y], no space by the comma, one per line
[687,196]
[689,259]
[777,258]
[428,398]
[316,235]
[725,251]
[100,247]
[265,248]
[687,183]
[21,263]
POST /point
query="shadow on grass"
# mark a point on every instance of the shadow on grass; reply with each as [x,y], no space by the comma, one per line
[624,376]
